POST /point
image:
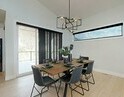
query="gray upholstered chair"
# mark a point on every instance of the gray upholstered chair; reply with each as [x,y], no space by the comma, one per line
[43,81]
[73,78]
[47,60]
[84,58]
[88,73]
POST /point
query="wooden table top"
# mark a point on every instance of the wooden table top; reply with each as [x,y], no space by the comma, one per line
[60,67]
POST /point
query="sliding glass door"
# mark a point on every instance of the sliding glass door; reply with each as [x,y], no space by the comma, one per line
[27,48]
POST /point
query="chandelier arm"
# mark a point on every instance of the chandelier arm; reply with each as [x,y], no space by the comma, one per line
[68,23]
[69,9]
[71,23]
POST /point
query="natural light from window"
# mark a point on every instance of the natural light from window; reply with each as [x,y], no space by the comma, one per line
[99,33]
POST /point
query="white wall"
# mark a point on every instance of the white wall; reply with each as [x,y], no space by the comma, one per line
[25,11]
[1,25]
[1,33]
[67,38]
[108,53]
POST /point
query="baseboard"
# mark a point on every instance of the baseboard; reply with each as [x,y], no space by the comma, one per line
[10,77]
[25,74]
[110,73]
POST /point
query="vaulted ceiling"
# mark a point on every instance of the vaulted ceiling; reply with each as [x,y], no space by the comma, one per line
[80,8]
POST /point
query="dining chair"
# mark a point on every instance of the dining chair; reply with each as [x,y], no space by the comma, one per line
[47,60]
[84,58]
[42,81]
[73,79]
[88,73]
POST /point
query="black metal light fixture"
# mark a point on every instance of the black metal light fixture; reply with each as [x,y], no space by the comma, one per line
[68,23]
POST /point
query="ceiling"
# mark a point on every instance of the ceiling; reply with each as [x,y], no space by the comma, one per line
[80,8]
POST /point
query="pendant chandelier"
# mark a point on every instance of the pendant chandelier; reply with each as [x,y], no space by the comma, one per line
[68,23]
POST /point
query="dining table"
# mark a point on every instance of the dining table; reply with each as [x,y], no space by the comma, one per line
[60,67]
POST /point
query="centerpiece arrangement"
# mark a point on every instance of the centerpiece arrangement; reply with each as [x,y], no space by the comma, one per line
[66,53]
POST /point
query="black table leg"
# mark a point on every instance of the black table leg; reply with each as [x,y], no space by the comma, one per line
[65,90]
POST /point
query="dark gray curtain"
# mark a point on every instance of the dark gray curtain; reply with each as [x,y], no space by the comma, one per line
[49,44]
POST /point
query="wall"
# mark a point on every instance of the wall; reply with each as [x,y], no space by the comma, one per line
[108,53]
[67,38]
[25,11]
[1,25]
[1,32]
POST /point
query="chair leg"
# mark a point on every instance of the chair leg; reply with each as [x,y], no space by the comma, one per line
[85,81]
[87,85]
[42,91]
[74,89]
[93,81]
[56,90]
[82,87]
[32,90]
[48,88]
[71,90]
[59,86]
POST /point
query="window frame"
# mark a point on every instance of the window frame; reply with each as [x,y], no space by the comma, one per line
[109,26]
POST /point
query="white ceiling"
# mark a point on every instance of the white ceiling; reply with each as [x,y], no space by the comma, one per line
[80,8]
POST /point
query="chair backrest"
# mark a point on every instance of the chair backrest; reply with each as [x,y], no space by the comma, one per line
[76,73]
[89,68]
[84,57]
[46,60]
[37,76]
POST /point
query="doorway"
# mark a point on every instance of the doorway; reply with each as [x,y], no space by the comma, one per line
[27,48]
[1,55]
[2,45]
